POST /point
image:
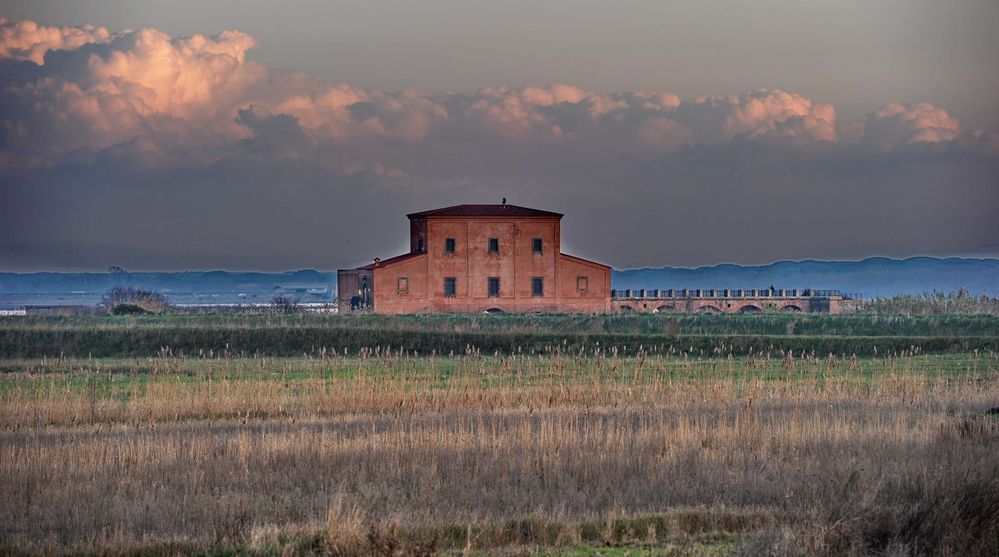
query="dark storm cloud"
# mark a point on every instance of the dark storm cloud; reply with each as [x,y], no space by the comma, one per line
[273,134]
[159,152]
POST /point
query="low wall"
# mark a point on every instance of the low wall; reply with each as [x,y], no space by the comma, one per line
[731,304]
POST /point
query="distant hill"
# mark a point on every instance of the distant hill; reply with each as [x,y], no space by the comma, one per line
[876,276]
[186,280]
[189,287]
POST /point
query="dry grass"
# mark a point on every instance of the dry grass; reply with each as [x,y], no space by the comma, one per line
[69,392]
[395,455]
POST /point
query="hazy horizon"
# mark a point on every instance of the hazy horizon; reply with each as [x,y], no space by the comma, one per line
[254,136]
[107,270]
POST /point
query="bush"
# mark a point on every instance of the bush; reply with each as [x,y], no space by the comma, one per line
[960,302]
[132,301]
[286,305]
[129,309]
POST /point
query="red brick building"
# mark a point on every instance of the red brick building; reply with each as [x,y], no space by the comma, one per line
[472,258]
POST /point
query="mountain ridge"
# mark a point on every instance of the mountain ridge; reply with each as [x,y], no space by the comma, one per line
[870,277]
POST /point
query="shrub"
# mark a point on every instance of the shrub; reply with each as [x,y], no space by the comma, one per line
[122,300]
[129,309]
[286,305]
[960,302]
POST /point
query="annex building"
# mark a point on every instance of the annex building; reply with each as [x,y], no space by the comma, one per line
[475,258]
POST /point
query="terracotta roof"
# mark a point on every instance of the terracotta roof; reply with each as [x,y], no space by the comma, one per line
[485,211]
[584,260]
[392,260]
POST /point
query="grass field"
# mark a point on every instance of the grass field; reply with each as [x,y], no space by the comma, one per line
[566,451]
[811,324]
[295,335]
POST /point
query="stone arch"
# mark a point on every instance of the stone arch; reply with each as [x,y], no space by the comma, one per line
[791,308]
[668,308]
[708,309]
[627,309]
[749,308]
[495,310]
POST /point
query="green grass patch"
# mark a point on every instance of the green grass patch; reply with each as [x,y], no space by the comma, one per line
[128,378]
[142,340]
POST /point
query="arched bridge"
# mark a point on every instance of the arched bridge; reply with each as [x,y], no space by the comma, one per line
[731,300]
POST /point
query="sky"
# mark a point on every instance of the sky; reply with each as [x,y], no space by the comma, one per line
[273,136]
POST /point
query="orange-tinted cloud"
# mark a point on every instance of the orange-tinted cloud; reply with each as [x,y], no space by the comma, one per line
[96,90]
[27,40]
[898,125]
[142,139]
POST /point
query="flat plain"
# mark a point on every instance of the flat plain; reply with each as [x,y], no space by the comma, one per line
[572,435]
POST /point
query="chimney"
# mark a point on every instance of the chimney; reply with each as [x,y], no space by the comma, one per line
[378,261]
[504,201]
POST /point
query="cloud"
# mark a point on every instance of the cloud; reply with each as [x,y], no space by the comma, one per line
[92,121]
[273,134]
[99,89]
[758,114]
[130,84]
[189,77]
[27,40]
[898,125]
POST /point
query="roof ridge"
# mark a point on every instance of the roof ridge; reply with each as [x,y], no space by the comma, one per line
[391,260]
[485,210]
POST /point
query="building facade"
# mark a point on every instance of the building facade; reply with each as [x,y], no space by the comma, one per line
[474,258]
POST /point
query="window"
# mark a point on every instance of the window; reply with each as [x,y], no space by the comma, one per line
[493,245]
[494,287]
[582,284]
[537,286]
[402,285]
[450,287]
[536,245]
[449,245]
